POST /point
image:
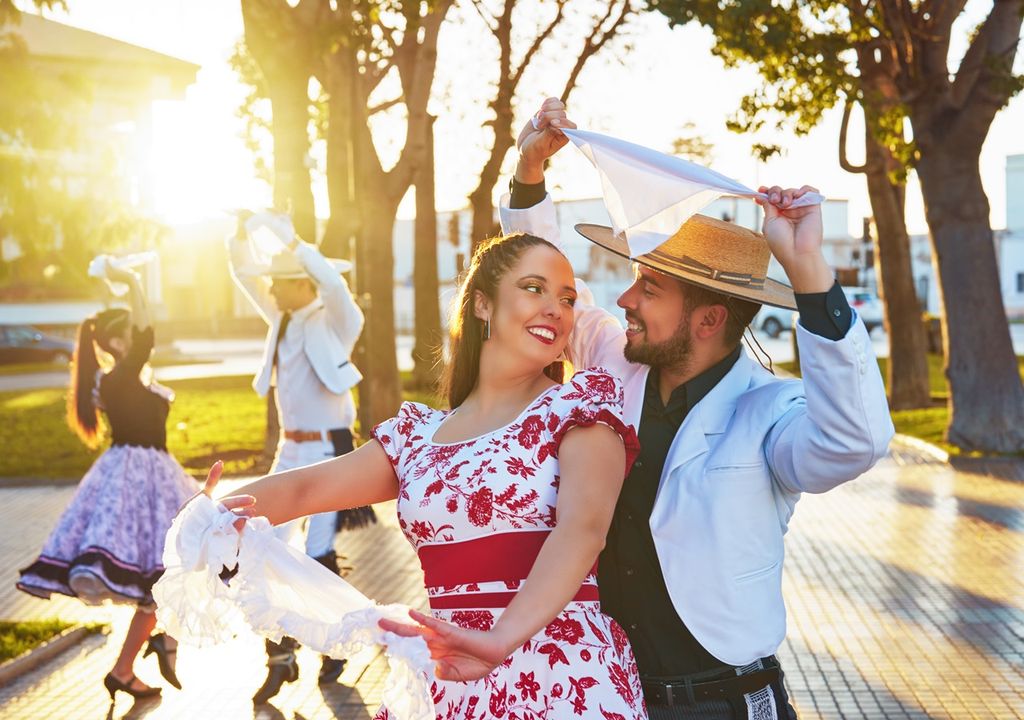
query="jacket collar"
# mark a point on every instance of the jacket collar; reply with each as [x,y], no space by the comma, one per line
[709,417]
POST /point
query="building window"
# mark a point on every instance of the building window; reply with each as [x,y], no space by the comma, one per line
[1020,283]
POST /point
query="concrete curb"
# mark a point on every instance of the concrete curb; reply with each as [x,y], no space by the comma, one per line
[922,446]
[16,667]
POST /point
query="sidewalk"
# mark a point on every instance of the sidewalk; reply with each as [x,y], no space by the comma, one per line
[904,590]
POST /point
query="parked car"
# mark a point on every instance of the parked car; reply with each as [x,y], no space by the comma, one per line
[25,344]
[772,320]
[867,304]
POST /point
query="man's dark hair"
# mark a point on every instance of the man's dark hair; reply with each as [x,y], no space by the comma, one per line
[741,312]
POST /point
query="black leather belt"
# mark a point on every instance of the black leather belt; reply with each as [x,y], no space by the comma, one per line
[689,692]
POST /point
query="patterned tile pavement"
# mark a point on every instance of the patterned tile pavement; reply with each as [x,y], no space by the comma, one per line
[905,595]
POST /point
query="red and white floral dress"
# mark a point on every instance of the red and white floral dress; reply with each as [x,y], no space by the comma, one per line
[477,513]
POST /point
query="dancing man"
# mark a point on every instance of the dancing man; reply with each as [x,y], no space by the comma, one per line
[314,323]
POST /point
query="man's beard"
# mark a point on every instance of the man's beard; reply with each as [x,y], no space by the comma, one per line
[673,352]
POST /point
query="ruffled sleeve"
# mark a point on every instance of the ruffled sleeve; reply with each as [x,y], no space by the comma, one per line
[279,591]
[590,397]
[397,434]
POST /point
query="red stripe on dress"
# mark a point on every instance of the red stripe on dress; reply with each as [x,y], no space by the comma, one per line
[503,557]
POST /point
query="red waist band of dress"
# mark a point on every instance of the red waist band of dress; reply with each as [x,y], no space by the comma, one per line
[503,557]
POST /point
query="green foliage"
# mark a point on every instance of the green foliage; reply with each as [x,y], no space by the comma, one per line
[9,12]
[17,638]
[805,53]
[56,180]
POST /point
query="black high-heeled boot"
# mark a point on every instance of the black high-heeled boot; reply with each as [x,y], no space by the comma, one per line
[158,644]
[112,684]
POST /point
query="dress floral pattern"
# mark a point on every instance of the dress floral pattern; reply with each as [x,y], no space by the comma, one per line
[483,507]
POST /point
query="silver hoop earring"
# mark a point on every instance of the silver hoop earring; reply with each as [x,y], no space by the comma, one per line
[487,329]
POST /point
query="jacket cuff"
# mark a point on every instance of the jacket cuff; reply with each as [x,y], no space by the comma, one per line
[525,195]
[826,314]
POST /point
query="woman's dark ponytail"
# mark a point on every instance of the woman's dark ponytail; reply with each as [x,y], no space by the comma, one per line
[83,415]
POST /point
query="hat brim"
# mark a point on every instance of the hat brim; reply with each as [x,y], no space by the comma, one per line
[340,266]
[772,292]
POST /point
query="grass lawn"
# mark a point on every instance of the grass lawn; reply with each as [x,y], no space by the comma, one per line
[211,419]
[17,638]
[928,424]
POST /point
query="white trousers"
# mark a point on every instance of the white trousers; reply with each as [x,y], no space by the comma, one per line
[319,529]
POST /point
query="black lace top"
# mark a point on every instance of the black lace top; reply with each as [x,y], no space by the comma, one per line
[136,414]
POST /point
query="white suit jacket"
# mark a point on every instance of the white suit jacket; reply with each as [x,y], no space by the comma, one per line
[330,332]
[738,464]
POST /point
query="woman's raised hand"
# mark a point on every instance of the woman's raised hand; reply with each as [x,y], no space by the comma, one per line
[541,138]
[459,654]
[241,505]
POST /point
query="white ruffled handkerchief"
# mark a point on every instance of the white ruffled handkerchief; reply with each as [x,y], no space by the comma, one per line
[649,195]
[279,591]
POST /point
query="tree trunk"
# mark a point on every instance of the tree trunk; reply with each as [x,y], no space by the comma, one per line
[908,361]
[480,199]
[427,348]
[274,35]
[986,394]
[343,225]
[293,190]
[380,392]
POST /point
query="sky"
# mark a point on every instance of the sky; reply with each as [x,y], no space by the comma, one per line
[667,79]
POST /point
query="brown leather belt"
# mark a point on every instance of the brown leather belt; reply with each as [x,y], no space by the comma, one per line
[687,693]
[306,435]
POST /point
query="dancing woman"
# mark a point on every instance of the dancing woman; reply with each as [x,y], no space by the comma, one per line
[506,498]
[109,542]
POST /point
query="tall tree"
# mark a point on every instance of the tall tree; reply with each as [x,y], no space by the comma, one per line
[606,19]
[951,116]
[809,66]
[902,51]
[365,42]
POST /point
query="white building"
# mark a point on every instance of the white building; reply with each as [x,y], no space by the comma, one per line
[605,274]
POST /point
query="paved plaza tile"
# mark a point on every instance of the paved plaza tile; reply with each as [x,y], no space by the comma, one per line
[905,594]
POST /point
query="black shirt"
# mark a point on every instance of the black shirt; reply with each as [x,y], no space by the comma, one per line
[631,583]
[632,587]
[137,415]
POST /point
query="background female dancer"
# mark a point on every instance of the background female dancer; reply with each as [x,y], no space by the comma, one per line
[109,542]
[506,498]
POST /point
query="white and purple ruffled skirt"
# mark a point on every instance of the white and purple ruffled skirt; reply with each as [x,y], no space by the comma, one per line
[109,542]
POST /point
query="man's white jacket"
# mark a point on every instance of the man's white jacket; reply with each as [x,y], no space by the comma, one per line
[738,464]
[329,333]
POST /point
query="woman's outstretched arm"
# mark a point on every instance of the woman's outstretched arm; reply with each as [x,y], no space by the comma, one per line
[362,477]
[592,463]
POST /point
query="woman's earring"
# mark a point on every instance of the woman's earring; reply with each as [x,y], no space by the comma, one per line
[487,329]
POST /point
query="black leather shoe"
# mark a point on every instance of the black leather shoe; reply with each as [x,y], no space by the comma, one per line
[113,685]
[279,672]
[330,670]
[165,658]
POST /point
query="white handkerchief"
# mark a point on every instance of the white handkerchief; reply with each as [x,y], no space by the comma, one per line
[649,195]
